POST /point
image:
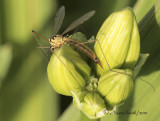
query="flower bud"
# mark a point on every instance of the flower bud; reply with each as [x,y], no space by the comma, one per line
[93,105]
[119,40]
[116,87]
[67,71]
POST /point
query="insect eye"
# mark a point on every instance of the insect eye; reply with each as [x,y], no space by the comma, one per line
[54,37]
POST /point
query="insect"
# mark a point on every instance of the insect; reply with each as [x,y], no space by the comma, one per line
[57,41]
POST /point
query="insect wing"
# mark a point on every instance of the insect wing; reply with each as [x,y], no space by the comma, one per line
[59,19]
[79,21]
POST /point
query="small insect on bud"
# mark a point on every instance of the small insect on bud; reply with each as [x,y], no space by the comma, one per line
[80,37]
[67,71]
[119,40]
[116,87]
[93,105]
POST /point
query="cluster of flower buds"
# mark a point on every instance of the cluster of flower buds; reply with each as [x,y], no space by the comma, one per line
[118,49]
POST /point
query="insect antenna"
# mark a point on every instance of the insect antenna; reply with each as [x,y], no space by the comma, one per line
[40,47]
[34,32]
[121,72]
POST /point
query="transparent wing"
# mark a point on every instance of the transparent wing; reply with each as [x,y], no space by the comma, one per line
[79,21]
[59,19]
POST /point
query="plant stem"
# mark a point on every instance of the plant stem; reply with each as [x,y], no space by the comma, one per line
[85,118]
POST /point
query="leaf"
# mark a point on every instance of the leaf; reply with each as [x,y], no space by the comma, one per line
[23,16]
[142,7]
[72,113]
[85,118]
[5,61]
[40,105]
[142,59]
[26,95]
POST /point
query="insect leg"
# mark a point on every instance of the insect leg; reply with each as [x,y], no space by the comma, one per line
[40,47]
[90,41]
[43,54]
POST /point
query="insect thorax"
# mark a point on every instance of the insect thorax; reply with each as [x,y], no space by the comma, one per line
[56,42]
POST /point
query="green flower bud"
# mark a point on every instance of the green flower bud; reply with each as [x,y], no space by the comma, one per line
[119,40]
[93,105]
[90,101]
[78,98]
[116,87]
[67,71]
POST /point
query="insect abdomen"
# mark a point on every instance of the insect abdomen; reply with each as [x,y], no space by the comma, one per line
[83,48]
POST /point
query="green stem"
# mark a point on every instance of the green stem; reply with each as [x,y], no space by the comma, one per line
[85,118]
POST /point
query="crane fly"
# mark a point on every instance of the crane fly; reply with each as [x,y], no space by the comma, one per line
[57,40]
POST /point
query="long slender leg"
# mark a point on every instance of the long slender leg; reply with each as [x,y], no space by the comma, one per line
[43,54]
[90,41]
[42,48]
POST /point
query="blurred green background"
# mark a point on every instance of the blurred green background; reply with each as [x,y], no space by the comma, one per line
[25,92]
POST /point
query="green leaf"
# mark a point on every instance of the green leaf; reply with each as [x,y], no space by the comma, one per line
[142,59]
[40,105]
[5,61]
[72,113]
[26,94]
[20,17]
[85,118]
[142,7]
